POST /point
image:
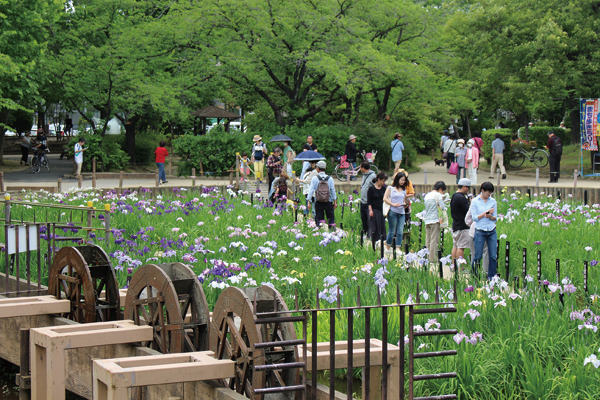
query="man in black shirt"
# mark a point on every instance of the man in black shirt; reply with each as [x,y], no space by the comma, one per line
[309,145]
[459,207]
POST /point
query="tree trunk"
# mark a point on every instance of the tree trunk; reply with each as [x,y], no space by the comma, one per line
[523,120]
[575,126]
[130,127]
[4,113]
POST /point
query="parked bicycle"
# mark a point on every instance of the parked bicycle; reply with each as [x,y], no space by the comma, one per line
[39,160]
[344,170]
[518,155]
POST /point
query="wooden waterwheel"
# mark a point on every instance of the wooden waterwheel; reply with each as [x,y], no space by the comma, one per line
[169,298]
[85,276]
[256,343]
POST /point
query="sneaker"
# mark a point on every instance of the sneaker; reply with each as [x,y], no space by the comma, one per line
[165,182]
[503,176]
[490,177]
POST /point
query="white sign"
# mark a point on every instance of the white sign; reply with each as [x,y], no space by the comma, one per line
[11,239]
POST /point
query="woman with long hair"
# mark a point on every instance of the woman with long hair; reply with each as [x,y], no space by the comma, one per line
[395,196]
[375,201]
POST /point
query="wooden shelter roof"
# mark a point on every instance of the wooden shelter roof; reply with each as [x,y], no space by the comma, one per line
[215,112]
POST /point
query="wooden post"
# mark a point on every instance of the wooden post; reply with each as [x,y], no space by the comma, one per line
[537,178]
[107,222]
[156,180]
[1,181]
[498,181]
[120,179]
[59,185]
[94,172]
[23,378]
[79,181]
[193,177]
[425,177]
[237,170]
[574,181]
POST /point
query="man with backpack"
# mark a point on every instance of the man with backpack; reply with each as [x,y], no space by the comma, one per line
[322,190]
[259,153]
[554,147]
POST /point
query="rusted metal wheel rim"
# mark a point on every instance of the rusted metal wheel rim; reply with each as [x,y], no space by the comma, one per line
[169,298]
[103,280]
[234,333]
[69,277]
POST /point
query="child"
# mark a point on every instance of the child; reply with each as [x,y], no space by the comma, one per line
[245,166]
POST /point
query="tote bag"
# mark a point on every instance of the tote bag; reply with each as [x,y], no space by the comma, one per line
[453,169]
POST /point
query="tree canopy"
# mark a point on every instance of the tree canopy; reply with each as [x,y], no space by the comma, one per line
[412,65]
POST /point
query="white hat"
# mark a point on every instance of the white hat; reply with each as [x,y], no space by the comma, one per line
[471,142]
[352,137]
[464,182]
[321,165]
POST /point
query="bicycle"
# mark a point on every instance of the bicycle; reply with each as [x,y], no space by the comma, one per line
[39,160]
[518,155]
[344,170]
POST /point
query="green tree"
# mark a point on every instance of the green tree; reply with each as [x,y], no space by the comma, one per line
[22,47]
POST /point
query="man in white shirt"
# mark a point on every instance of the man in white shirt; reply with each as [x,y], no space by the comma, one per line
[434,204]
[79,155]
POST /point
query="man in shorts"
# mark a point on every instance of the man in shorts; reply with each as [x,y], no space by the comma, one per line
[459,206]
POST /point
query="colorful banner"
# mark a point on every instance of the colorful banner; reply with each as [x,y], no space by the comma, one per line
[590,124]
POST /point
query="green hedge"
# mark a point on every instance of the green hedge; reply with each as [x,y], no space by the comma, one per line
[108,152]
[489,136]
[217,149]
[540,134]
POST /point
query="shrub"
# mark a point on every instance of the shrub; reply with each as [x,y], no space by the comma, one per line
[539,134]
[216,150]
[107,151]
[489,136]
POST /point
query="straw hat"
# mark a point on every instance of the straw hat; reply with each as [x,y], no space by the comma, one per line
[257,138]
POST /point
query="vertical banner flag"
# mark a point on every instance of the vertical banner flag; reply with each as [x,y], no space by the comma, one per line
[589,124]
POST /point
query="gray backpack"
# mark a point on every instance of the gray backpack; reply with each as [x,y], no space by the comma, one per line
[322,195]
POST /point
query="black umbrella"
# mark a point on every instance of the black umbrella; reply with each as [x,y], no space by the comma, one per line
[309,155]
[281,138]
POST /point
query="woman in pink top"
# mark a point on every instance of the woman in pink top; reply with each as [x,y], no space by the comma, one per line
[161,153]
[472,161]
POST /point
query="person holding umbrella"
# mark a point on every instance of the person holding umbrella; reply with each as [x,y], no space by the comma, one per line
[308,146]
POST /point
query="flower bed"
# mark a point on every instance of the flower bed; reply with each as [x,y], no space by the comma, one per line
[536,342]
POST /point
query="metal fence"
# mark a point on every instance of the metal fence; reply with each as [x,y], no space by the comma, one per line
[27,258]
[384,360]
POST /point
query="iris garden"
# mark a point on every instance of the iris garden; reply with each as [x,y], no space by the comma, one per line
[524,339]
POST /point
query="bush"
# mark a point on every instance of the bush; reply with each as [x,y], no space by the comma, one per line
[489,136]
[145,144]
[107,151]
[539,134]
[216,150]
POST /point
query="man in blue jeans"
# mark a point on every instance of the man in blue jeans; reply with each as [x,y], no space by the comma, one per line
[485,213]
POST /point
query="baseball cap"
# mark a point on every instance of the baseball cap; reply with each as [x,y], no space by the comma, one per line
[321,165]
[464,182]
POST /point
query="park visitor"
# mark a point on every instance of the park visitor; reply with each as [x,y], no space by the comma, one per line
[25,145]
[322,193]
[459,207]
[274,165]
[472,161]
[161,154]
[484,211]
[367,182]
[79,155]
[498,147]
[395,196]
[375,200]
[308,146]
[397,149]
[433,218]
[554,147]
[259,152]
